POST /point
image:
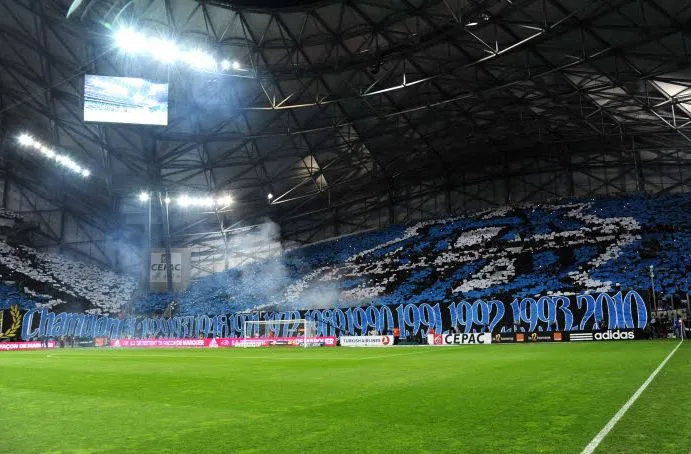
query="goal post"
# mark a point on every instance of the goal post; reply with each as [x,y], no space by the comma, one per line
[278,332]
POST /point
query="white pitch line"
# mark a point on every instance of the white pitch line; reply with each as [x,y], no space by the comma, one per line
[595,442]
[259,358]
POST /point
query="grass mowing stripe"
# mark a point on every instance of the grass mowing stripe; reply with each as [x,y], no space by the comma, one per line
[595,442]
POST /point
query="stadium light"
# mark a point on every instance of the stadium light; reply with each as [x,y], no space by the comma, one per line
[185,201]
[199,60]
[224,201]
[46,151]
[163,50]
[130,41]
[206,201]
[269,196]
[168,51]
[471,24]
[227,64]
[27,141]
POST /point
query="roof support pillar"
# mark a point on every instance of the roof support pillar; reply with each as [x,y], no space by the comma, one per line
[163,198]
[392,208]
[640,183]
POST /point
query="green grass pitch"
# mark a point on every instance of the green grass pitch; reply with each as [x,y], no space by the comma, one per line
[479,399]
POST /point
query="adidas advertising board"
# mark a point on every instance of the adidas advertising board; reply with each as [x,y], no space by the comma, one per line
[614,335]
[576,337]
[602,336]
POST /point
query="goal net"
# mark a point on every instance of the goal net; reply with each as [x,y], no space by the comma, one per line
[299,332]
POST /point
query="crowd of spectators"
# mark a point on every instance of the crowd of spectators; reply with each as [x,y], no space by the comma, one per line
[587,245]
[31,278]
[566,247]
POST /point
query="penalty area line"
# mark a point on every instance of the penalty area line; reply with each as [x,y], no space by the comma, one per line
[595,442]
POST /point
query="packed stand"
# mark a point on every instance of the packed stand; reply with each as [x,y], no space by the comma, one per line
[51,280]
[583,245]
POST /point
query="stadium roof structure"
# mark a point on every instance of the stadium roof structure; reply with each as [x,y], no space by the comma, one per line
[351,114]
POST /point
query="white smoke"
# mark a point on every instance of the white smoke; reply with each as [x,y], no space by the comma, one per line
[125,256]
[257,243]
[267,271]
[323,297]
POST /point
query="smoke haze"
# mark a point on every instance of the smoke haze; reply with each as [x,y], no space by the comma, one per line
[271,274]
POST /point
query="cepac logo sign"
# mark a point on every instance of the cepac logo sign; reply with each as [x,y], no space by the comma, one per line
[467,338]
[162,264]
[614,335]
[438,339]
[159,267]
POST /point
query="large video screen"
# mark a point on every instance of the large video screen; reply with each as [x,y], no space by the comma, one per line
[125,100]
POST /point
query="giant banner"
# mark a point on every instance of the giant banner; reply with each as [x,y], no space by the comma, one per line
[585,312]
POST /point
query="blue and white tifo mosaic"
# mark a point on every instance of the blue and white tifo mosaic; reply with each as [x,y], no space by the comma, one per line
[512,252]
